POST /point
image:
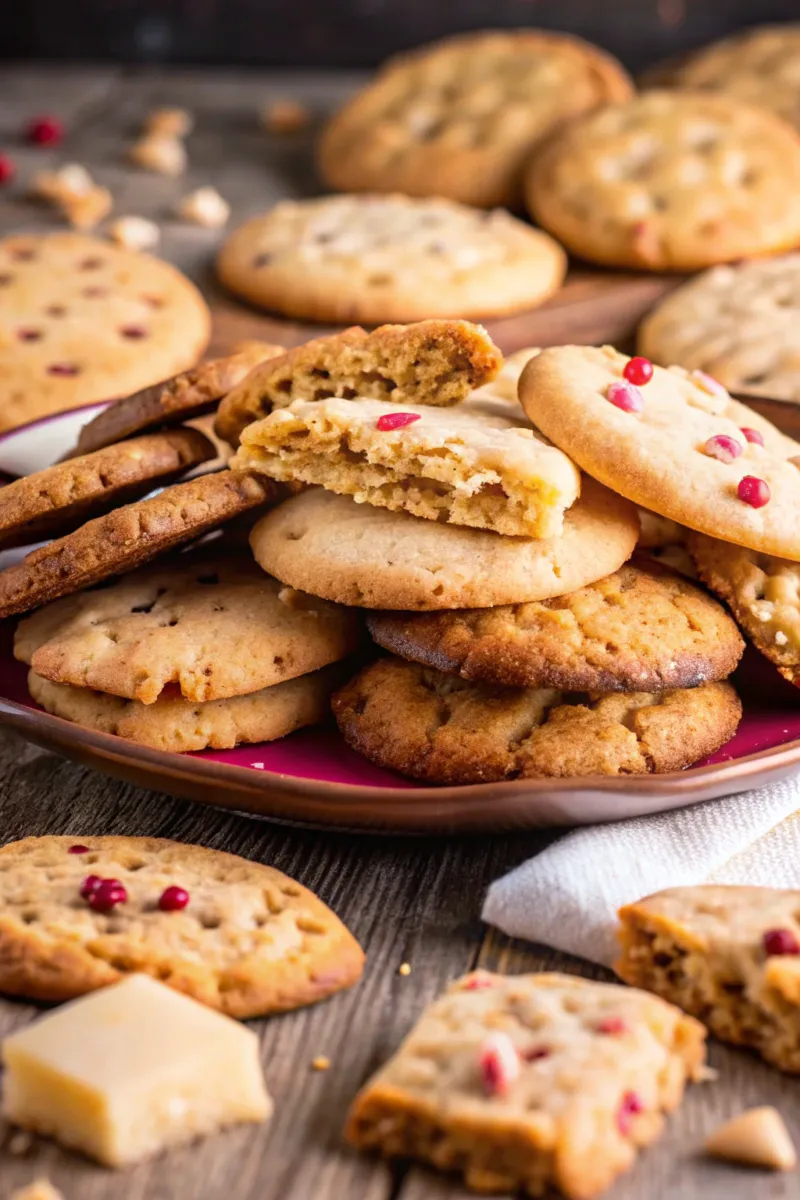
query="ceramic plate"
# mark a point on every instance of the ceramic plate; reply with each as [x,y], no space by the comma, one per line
[312,777]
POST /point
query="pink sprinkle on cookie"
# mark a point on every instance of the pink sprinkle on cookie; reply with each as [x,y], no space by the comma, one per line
[625,396]
[396,420]
[498,1062]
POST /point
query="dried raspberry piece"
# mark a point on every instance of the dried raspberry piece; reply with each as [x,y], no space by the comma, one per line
[396,420]
[708,383]
[723,447]
[7,169]
[90,885]
[173,899]
[625,396]
[534,1053]
[781,941]
[752,435]
[499,1064]
[753,491]
[630,1104]
[45,131]
[78,849]
[478,982]
[65,369]
[612,1025]
[638,370]
[107,894]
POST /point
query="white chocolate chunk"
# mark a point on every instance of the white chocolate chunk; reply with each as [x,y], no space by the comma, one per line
[127,1071]
[758,1137]
[40,1189]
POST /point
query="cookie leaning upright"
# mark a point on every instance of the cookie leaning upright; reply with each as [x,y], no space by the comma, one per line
[83,320]
[389,258]
[460,118]
[676,444]
[246,939]
[430,362]
[670,181]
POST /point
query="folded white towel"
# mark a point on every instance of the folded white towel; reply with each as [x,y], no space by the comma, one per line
[569,894]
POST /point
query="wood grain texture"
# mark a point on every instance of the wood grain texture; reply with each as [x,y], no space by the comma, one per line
[416,900]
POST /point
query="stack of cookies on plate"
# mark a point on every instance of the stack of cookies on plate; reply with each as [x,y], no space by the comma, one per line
[523,639]
[135,635]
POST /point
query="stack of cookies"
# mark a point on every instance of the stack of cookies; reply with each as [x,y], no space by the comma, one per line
[522,639]
[133,634]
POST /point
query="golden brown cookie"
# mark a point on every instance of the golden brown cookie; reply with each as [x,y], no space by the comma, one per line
[762,592]
[178,725]
[676,444]
[739,323]
[670,181]
[641,629]
[760,65]
[83,320]
[531,1083]
[57,500]
[441,729]
[211,625]
[250,941]
[129,537]
[430,362]
[726,954]
[389,258]
[461,117]
[373,558]
[173,401]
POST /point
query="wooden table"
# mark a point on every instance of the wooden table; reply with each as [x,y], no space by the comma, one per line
[415,901]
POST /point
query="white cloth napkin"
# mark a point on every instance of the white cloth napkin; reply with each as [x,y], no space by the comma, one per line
[568,896]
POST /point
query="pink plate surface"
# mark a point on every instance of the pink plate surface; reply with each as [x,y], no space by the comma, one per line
[313,777]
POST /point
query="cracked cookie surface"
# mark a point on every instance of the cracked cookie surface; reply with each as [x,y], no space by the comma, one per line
[250,941]
[642,628]
[442,729]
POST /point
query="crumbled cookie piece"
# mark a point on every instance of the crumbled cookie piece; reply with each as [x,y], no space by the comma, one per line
[321,1063]
[161,154]
[758,1137]
[285,116]
[40,1189]
[85,210]
[135,233]
[68,181]
[169,122]
[205,207]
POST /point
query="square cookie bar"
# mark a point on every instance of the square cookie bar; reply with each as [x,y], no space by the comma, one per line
[531,1081]
[729,955]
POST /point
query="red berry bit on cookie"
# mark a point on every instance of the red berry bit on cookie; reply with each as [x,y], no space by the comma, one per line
[708,383]
[725,954]
[625,396]
[103,894]
[470,1091]
[725,448]
[78,849]
[638,370]
[753,491]
[753,436]
[397,420]
[173,899]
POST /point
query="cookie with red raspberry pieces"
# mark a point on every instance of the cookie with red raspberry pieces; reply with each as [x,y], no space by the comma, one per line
[501,1071]
[79,913]
[676,444]
[729,955]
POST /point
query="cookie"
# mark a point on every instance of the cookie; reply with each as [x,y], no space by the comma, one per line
[57,500]
[480,463]
[762,592]
[249,942]
[82,320]
[430,362]
[760,65]
[680,447]
[725,954]
[658,532]
[128,537]
[641,629]
[178,725]
[528,1083]
[373,558]
[461,117]
[741,324]
[185,396]
[441,729]
[209,626]
[389,258]
[670,181]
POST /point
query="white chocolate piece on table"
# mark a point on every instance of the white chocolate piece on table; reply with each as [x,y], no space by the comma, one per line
[757,1137]
[135,233]
[129,1070]
[205,207]
[40,1189]
[159,153]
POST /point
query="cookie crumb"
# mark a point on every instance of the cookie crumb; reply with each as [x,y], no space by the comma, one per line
[205,207]
[780,638]
[134,233]
[404,969]
[20,1143]
[40,1189]
[285,116]
[70,180]
[161,154]
[87,209]
[321,1063]
[758,1137]
[169,122]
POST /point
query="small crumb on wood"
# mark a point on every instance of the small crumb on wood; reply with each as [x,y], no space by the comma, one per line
[87,209]
[205,207]
[20,1143]
[40,1189]
[169,122]
[134,233]
[161,154]
[57,186]
[320,1063]
[285,116]
[404,969]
